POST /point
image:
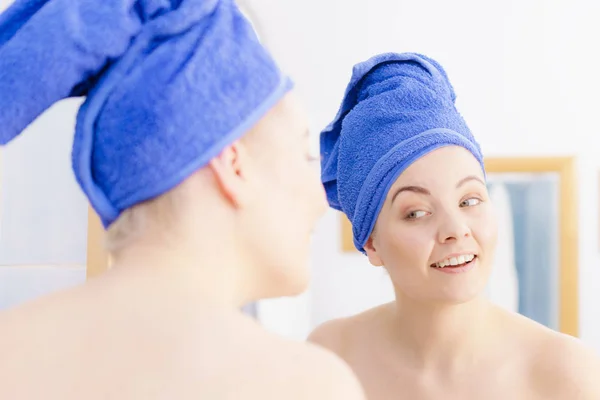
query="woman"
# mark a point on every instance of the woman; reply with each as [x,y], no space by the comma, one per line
[401,163]
[192,149]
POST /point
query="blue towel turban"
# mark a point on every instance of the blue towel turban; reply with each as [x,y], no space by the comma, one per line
[168,85]
[396,109]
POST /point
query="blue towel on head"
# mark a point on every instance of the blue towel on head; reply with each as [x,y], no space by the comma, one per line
[396,109]
[169,84]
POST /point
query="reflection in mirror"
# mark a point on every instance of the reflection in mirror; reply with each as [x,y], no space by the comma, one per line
[536,265]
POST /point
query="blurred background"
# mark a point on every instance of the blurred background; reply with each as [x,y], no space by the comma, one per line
[525,72]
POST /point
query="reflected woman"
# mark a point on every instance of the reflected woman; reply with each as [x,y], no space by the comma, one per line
[401,163]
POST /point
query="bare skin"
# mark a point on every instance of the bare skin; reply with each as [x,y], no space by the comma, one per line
[530,362]
[163,323]
[440,339]
[102,341]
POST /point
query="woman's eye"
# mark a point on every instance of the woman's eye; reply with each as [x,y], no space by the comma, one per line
[416,214]
[470,202]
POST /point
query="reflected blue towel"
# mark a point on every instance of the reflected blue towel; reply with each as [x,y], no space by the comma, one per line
[169,84]
[396,109]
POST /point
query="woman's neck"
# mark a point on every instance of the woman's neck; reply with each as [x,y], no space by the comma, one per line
[199,274]
[442,336]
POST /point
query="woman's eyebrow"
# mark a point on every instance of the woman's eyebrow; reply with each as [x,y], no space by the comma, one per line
[414,189]
[469,178]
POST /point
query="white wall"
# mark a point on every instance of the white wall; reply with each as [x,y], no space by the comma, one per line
[524,72]
[43,213]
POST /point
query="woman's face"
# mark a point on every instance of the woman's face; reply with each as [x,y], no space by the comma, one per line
[436,233]
[287,198]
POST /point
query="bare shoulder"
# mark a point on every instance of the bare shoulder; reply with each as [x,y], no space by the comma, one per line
[320,374]
[256,364]
[26,331]
[40,317]
[338,335]
[558,366]
[331,334]
[568,368]
[294,370]
[217,356]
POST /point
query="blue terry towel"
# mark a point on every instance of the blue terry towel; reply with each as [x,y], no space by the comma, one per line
[396,109]
[168,85]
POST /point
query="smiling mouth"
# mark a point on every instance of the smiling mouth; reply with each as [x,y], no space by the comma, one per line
[455,262]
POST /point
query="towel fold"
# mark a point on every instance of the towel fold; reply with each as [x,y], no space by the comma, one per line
[168,85]
[396,109]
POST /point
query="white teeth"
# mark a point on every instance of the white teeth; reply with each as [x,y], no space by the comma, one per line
[455,260]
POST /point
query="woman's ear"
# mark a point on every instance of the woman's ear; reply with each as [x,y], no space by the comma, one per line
[229,169]
[371,250]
